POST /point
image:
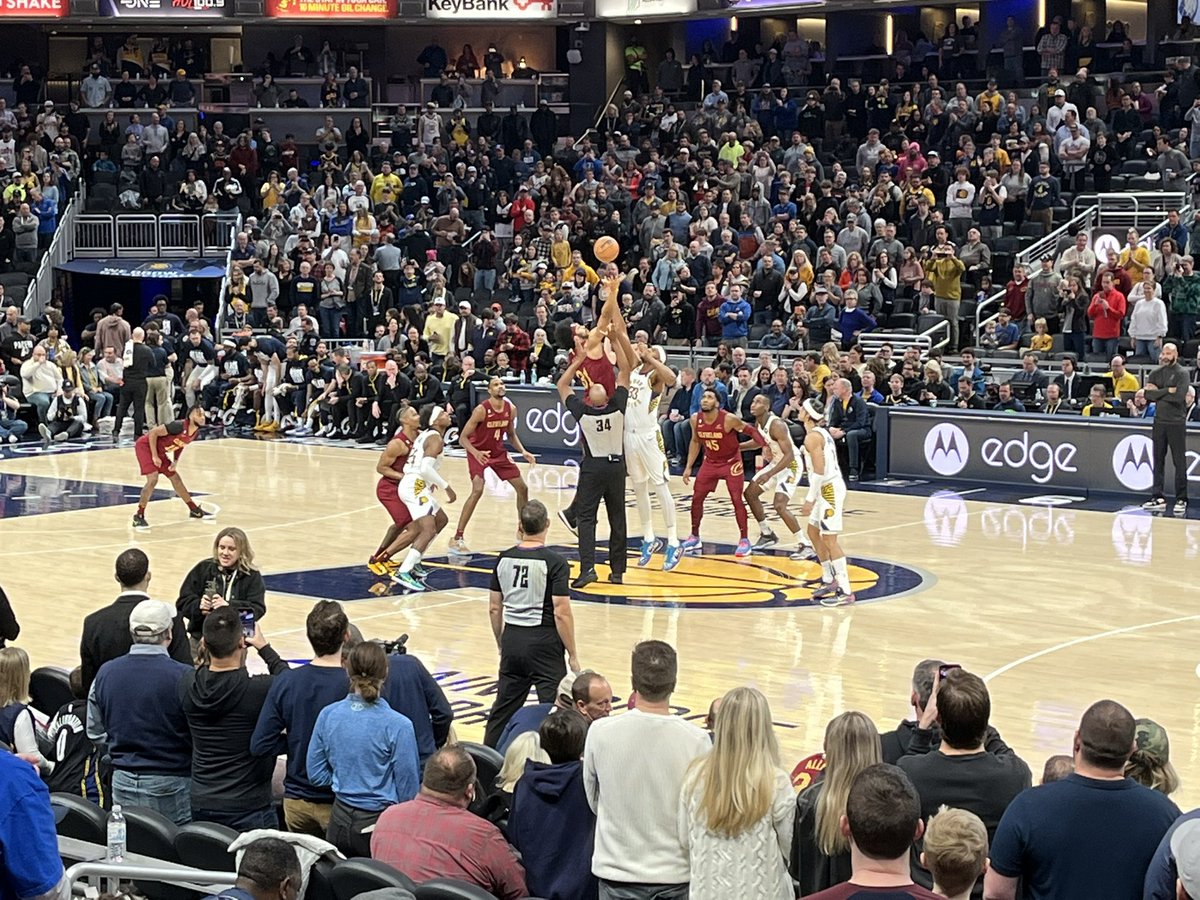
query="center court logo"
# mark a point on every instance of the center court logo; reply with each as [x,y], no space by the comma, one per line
[1133,462]
[947,449]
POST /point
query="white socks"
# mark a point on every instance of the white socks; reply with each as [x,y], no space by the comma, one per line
[410,561]
[841,575]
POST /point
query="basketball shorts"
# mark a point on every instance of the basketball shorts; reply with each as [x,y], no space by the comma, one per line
[146,464]
[387,491]
[827,510]
[646,458]
[502,465]
[784,482]
[417,496]
[709,477]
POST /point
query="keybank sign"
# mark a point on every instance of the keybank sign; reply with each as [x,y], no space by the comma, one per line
[491,9]
[1058,452]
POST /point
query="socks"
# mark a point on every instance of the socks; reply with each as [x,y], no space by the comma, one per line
[667,502]
[826,572]
[841,575]
[141,511]
[410,561]
[458,535]
[192,504]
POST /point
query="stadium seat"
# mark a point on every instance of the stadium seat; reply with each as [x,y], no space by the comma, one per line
[83,820]
[1033,230]
[150,833]
[319,886]
[205,845]
[488,763]
[11,280]
[758,332]
[450,889]
[1135,167]
[357,876]
[50,689]
[103,178]
[927,321]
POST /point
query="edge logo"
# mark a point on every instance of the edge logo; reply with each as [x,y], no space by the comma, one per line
[1041,456]
[947,449]
[553,420]
[1133,462]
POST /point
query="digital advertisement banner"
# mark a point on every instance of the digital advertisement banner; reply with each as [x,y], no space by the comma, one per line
[522,10]
[170,9]
[612,9]
[42,9]
[331,9]
[1046,453]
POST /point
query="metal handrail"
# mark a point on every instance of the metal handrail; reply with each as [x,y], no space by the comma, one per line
[184,876]
[1050,241]
[600,115]
[41,286]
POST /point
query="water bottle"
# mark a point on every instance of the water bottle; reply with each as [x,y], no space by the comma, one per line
[116,834]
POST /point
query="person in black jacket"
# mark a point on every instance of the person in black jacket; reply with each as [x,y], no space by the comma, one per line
[227,578]
[896,743]
[106,631]
[10,628]
[222,703]
[459,402]
[133,386]
[973,769]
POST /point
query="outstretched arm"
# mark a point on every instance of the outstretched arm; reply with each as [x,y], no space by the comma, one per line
[733,423]
[610,310]
[565,383]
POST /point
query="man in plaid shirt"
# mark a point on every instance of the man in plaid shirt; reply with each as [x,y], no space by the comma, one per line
[435,836]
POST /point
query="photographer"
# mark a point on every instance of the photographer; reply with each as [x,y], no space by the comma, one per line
[945,270]
[411,690]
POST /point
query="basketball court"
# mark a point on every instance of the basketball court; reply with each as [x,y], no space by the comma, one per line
[1057,602]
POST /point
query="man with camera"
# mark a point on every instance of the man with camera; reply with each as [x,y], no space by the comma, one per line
[945,269]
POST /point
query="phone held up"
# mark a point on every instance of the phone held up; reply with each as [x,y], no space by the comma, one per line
[247,617]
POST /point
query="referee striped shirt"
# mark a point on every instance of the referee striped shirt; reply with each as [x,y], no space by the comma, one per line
[602,427]
[528,579]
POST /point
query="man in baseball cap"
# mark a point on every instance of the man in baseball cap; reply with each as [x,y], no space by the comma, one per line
[135,709]
[1185,854]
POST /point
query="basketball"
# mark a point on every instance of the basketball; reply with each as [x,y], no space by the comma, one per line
[606,249]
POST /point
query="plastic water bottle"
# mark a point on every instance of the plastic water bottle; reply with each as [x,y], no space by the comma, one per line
[116,834]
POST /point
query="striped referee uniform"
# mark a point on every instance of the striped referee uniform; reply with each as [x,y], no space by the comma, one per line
[601,477]
[531,650]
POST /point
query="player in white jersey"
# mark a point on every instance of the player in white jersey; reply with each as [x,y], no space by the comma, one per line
[779,478]
[645,457]
[421,479]
[823,506]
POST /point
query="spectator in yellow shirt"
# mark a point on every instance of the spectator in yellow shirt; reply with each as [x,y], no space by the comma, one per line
[578,263]
[1134,258]
[385,187]
[1123,380]
[439,329]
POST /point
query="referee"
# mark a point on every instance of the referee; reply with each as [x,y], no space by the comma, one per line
[530,609]
[1167,387]
[602,472]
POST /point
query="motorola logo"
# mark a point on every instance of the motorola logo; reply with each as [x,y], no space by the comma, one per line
[947,449]
[1133,462]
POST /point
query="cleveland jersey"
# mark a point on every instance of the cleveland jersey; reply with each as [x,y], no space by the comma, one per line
[490,434]
[721,447]
[598,371]
[641,414]
[176,438]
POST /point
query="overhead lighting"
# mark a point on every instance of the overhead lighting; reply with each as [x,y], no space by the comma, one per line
[733,23]
[889,34]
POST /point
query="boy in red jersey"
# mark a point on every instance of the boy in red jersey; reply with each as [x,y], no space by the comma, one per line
[151,450]
[391,469]
[717,431]
[483,436]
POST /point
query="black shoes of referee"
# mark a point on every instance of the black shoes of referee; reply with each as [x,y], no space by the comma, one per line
[590,577]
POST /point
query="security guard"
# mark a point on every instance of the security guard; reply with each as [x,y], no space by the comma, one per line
[602,472]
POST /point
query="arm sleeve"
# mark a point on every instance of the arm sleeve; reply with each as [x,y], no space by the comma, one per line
[429,472]
[255,596]
[1162,872]
[267,739]
[10,629]
[188,604]
[33,869]
[406,765]
[25,741]
[320,772]
[441,716]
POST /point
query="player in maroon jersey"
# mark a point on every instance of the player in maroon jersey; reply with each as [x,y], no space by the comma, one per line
[492,421]
[391,469]
[599,357]
[717,431]
[151,450]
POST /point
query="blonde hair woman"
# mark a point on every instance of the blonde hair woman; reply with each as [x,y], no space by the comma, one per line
[820,852]
[19,725]
[736,807]
[524,747]
[1150,764]
[227,578]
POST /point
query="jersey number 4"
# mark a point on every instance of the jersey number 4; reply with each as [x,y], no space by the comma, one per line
[520,576]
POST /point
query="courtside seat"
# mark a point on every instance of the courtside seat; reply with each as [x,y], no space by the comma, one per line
[358,876]
[205,845]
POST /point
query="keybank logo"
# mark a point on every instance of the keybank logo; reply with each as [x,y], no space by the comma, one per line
[1133,462]
[947,449]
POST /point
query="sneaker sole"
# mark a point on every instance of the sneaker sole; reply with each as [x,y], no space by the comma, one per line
[562,517]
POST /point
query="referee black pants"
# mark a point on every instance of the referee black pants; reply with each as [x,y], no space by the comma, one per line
[1172,437]
[529,655]
[601,480]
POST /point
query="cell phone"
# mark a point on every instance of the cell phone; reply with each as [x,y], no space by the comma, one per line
[247,617]
[944,670]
